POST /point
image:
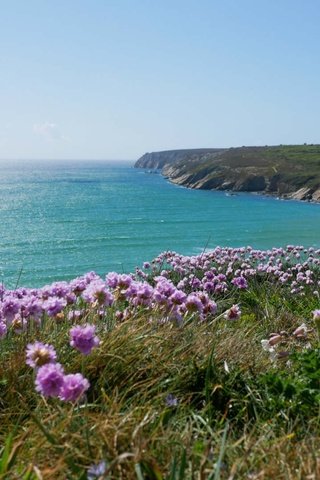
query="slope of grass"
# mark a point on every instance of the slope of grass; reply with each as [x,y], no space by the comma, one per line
[296,164]
[288,167]
[177,397]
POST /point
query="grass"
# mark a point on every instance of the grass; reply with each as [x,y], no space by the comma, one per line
[236,413]
[286,168]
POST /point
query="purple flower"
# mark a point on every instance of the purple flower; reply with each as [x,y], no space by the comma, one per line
[10,308]
[75,314]
[97,293]
[143,294]
[31,307]
[210,308]
[54,305]
[209,286]
[73,387]
[178,297]
[112,279]
[116,280]
[193,303]
[78,285]
[39,354]
[171,400]
[83,338]
[239,282]
[97,471]
[49,379]
[59,289]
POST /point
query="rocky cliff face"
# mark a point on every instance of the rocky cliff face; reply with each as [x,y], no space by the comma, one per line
[221,178]
[250,182]
[288,172]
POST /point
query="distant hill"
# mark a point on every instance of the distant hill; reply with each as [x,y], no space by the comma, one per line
[289,171]
[157,160]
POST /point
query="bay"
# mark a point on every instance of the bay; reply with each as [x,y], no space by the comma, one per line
[59,220]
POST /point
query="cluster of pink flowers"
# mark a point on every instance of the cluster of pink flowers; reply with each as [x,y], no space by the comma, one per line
[171,287]
[284,339]
[223,268]
[83,338]
[51,381]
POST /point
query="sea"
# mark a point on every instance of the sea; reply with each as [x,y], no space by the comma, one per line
[59,220]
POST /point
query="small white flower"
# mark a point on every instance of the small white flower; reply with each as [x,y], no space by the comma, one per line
[270,349]
[266,346]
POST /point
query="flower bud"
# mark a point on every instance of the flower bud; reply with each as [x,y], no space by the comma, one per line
[301,331]
[316,319]
[275,339]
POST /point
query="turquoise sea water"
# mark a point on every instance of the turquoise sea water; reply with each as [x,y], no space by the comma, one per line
[58,221]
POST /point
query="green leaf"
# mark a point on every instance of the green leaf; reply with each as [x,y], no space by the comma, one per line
[183,465]
[5,454]
[138,471]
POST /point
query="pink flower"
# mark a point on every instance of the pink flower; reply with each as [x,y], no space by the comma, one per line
[49,379]
[73,387]
[83,338]
[38,354]
[193,303]
[98,293]
[234,313]
[240,282]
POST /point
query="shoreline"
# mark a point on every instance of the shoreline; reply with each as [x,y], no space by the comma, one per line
[290,172]
[263,193]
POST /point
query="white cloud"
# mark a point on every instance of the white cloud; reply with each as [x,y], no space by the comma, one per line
[48,130]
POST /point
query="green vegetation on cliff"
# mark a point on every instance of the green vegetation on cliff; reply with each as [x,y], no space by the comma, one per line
[291,171]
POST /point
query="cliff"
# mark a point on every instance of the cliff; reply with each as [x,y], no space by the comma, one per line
[286,171]
[158,160]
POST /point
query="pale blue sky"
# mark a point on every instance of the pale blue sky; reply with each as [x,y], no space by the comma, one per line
[112,79]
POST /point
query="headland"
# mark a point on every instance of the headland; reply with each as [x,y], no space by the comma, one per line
[285,171]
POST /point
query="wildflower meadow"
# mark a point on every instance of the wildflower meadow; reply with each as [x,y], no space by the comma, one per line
[191,367]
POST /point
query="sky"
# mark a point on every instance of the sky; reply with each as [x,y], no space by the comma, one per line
[113,79]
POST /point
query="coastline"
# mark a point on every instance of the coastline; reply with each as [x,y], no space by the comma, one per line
[294,196]
[289,172]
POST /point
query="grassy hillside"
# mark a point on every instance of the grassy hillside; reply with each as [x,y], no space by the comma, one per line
[281,170]
[296,164]
[200,367]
